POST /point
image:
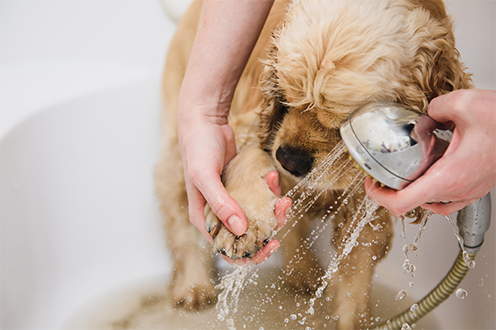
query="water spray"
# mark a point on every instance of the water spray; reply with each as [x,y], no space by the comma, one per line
[395,145]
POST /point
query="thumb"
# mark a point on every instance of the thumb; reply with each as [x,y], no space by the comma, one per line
[222,204]
[447,109]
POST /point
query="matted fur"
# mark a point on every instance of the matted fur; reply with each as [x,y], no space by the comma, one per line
[315,62]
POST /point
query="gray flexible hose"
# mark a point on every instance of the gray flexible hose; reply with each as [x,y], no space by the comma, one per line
[433,299]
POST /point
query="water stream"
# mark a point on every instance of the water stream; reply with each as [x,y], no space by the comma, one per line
[469,262]
[304,196]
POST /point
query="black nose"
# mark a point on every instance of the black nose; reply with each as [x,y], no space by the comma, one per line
[294,160]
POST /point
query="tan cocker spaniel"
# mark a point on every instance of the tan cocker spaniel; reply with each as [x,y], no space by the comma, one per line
[314,63]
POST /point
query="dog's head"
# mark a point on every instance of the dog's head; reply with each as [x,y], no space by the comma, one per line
[328,58]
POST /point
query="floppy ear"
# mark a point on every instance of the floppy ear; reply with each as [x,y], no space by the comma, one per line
[438,68]
[273,105]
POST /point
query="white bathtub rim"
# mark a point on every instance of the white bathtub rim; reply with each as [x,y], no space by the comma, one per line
[30,88]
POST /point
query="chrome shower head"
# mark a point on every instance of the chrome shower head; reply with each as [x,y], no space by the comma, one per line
[393,143]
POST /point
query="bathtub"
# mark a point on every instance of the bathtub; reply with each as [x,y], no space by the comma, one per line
[80,231]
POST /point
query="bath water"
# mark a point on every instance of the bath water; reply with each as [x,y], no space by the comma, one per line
[461,293]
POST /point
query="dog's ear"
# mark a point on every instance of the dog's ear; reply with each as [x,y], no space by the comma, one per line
[438,69]
[274,104]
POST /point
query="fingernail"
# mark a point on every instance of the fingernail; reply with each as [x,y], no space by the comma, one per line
[235,224]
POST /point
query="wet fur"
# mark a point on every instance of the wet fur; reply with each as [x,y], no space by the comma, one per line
[315,62]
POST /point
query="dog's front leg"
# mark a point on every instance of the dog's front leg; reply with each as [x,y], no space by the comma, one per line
[302,270]
[244,179]
[193,265]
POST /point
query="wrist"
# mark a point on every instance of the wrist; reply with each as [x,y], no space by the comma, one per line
[209,97]
[192,113]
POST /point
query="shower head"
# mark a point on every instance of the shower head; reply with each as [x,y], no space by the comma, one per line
[395,145]
[392,143]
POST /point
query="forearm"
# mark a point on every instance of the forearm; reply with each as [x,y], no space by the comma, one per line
[227,33]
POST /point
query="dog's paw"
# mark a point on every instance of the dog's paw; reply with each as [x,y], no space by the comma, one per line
[235,247]
[212,223]
[193,296]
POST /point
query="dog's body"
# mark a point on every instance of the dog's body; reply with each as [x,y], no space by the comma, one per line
[314,63]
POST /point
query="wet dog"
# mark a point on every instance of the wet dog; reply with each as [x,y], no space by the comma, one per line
[314,63]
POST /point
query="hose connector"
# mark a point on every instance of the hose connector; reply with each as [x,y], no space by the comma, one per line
[473,222]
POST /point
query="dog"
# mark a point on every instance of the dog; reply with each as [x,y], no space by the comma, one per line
[314,63]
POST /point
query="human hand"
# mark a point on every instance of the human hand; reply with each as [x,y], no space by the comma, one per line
[207,145]
[467,170]
[281,212]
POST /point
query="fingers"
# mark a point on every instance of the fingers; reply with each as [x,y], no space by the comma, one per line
[389,198]
[283,205]
[263,254]
[443,109]
[400,202]
[223,205]
[272,179]
[281,211]
[447,209]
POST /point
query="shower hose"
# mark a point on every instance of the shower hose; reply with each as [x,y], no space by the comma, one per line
[433,299]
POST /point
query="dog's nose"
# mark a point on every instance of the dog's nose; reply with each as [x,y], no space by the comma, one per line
[294,160]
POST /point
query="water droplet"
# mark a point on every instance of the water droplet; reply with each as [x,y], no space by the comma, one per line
[411,284]
[286,320]
[292,317]
[469,262]
[414,308]
[406,326]
[402,294]
[409,267]
[461,293]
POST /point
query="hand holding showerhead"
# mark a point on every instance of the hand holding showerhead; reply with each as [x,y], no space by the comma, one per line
[392,143]
[396,145]
[466,172]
